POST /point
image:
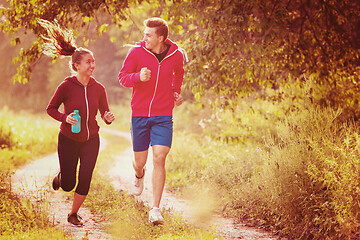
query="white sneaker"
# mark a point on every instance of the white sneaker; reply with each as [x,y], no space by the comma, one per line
[138,184]
[155,216]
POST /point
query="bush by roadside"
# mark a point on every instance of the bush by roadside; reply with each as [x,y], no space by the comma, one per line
[23,138]
[295,173]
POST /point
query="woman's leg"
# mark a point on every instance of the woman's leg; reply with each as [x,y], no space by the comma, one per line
[78,201]
[88,155]
[68,152]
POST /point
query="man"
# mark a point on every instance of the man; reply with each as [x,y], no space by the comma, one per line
[154,68]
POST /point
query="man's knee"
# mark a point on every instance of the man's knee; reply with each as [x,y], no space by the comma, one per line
[140,159]
[159,159]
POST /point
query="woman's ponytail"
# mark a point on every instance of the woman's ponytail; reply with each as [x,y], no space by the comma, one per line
[59,42]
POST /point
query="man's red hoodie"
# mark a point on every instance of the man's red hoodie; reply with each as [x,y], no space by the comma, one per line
[87,99]
[156,96]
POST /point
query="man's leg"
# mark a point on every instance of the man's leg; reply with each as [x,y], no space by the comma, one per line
[139,162]
[159,173]
[140,134]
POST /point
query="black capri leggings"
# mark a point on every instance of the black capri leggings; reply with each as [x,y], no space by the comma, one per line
[70,152]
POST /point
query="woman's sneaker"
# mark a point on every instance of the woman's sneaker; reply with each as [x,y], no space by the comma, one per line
[138,184]
[155,216]
[56,183]
[75,220]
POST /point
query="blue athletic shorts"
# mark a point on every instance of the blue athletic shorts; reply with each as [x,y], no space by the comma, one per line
[146,131]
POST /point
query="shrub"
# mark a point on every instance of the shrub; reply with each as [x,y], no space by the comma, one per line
[6,138]
[309,181]
[298,175]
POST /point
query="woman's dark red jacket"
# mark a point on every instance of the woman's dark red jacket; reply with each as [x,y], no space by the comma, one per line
[76,96]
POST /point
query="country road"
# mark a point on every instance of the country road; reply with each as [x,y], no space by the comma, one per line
[34,182]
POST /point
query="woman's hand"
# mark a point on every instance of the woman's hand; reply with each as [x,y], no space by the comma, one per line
[70,119]
[109,117]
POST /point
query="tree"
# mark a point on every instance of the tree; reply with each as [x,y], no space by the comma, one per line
[240,46]
[235,46]
[21,17]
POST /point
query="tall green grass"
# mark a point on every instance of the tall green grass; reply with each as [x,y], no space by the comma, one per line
[23,138]
[316,166]
[20,219]
[294,172]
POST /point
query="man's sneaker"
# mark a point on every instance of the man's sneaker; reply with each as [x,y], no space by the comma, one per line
[138,184]
[56,183]
[75,220]
[155,216]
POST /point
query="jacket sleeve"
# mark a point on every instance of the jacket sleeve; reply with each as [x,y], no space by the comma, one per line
[55,102]
[103,105]
[128,77]
[178,75]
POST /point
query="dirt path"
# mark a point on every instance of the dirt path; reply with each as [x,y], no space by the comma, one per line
[122,175]
[34,182]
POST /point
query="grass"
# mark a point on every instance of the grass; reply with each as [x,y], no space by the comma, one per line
[293,172]
[21,141]
[26,137]
[20,219]
[127,217]
[23,137]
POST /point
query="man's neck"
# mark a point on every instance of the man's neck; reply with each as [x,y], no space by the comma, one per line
[161,48]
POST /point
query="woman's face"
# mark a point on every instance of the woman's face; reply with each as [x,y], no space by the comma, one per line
[87,65]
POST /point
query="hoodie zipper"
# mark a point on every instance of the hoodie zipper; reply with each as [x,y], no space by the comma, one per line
[157,77]
[87,113]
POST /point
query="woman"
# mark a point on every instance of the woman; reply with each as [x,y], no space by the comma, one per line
[78,92]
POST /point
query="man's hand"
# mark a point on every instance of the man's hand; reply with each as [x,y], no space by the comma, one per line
[145,74]
[178,99]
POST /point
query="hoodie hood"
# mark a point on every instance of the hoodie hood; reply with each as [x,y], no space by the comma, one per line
[74,80]
[173,46]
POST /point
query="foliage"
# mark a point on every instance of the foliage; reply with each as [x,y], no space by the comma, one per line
[23,140]
[20,219]
[311,176]
[297,175]
[22,16]
[237,47]
[46,75]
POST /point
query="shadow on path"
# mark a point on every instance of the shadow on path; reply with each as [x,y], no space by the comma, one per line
[33,182]
[122,174]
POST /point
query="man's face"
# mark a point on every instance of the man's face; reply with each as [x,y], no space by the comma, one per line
[152,40]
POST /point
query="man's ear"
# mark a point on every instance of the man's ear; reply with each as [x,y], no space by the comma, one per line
[162,39]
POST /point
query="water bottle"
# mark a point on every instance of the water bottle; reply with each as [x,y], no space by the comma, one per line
[77,127]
